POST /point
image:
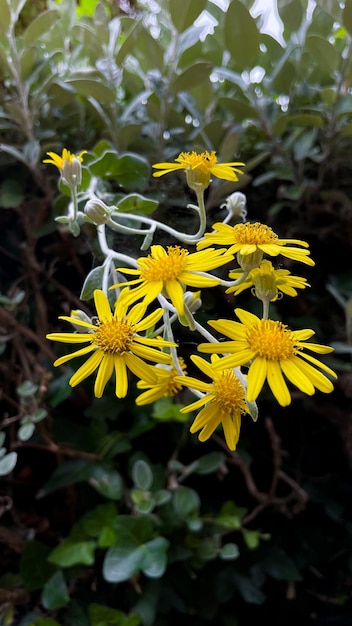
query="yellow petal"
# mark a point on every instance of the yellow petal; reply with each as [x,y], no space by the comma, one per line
[87,368]
[104,374]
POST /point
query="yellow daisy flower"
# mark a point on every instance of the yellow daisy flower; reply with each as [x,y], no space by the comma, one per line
[169,271]
[115,345]
[268,282]
[199,167]
[166,384]
[271,352]
[66,157]
[254,239]
[223,402]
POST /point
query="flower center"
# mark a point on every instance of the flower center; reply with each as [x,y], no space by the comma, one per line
[253,233]
[271,340]
[173,387]
[203,162]
[229,392]
[165,268]
[114,336]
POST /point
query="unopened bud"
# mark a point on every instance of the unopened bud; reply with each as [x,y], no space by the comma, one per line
[71,172]
[97,211]
[236,205]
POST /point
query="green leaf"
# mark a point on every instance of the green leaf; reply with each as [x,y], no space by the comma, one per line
[34,567]
[138,203]
[106,481]
[229,552]
[55,593]
[241,36]
[186,502]
[291,14]
[89,87]
[142,475]
[184,15]
[8,463]
[347,16]
[130,170]
[25,432]
[5,16]
[155,557]
[11,194]
[94,280]
[41,25]
[323,53]
[209,463]
[44,621]
[121,562]
[100,615]
[192,76]
[281,567]
[70,553]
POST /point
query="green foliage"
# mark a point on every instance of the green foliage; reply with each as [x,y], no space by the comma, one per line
[127,519]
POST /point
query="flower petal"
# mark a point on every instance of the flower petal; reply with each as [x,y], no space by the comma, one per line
[121,386]
[104,374]
[277,383]
[256,376]
[102,306]
[87,368]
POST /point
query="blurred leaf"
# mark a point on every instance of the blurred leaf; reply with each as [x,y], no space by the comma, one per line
[209,463]
[280,566]
[5,16]
[106,481]
[8,463]
[100,615]
[192,76]
[41,25]
[136,202]
[291,13]
[241,36]
[55,593]
[183,18]
[95,88]
[11,193]
[69,553]
[34,566]
[25,432]
[130,170]
[186,501]
[229,552]
[142,475]
[155,557]
[323,53]
[347,16]
[248,590]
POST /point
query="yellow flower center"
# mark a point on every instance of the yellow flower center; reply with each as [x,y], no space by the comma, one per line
[229,392]
[257,233]
[271,340]
[165,268]
[173,387]
[114,336]
[203,162]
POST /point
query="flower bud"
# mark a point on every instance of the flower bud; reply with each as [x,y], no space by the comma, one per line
[97,211]
[71,172]
[249,261]
[236,205]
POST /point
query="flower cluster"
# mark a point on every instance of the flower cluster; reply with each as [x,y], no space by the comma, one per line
[135,337]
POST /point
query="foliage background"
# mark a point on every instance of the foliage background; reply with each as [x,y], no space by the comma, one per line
[116,515]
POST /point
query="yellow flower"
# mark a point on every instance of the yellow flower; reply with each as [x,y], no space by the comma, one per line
[223,401]
[169,272]
[69,165]
[268,282]
[166,384]
[66,157]
[250,239]
[199,167]
[115,345]
[271,352]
